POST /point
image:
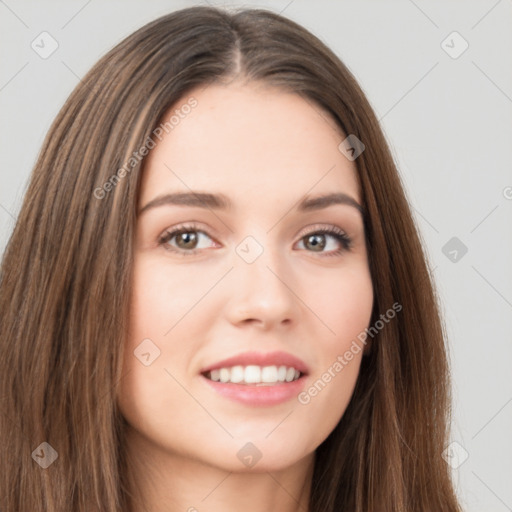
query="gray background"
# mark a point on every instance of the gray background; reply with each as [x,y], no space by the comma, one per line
[448,121]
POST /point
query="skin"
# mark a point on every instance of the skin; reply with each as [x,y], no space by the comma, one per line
[265,149]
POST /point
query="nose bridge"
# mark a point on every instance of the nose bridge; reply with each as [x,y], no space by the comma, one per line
[255,257]
[262,276]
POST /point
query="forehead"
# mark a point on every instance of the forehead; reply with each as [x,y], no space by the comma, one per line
[246,141]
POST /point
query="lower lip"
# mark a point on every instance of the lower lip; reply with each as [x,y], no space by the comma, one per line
[250,394]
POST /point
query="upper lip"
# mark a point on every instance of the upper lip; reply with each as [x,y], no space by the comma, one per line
[277,358]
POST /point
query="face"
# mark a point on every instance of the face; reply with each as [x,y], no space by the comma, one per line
[247,300]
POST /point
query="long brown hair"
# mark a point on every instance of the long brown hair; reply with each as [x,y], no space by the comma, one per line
[66,275]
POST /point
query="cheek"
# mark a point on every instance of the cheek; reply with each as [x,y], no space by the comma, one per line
[145,355]
[344,305]
[349,313]
[161,310]
[164,299]
[343,302]
[152,365]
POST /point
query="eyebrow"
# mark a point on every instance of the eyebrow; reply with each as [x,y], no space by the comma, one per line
[222,202]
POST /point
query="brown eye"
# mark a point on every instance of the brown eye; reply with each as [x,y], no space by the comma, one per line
[315,241]
[319,241]
[185,240]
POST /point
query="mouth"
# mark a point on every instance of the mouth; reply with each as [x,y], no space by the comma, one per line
[254,375]
[257,379]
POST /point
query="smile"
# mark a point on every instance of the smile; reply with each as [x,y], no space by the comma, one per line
[253,374]
[257,379]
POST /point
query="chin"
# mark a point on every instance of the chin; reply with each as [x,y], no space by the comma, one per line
[259,455]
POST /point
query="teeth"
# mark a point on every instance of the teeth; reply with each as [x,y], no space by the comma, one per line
[225,375]
[290,374]
[252,374]
[269,374]
[237,374]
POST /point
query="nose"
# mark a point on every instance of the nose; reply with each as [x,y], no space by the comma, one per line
[263,292]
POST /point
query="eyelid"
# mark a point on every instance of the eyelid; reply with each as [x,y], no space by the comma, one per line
[314,228]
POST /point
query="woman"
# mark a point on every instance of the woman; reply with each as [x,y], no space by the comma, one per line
[215,296]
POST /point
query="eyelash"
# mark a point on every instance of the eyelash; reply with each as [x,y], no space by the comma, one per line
[335,232]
